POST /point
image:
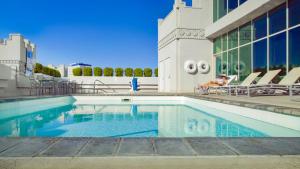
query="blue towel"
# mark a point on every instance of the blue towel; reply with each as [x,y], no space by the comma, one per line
[134,83]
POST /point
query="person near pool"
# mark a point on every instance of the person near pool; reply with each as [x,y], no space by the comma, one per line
[221,80]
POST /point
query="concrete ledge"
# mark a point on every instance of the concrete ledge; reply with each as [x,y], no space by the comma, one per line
[243,162]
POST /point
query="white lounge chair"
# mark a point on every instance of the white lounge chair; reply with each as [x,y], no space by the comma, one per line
[265,80]
[287,85]
[247,82]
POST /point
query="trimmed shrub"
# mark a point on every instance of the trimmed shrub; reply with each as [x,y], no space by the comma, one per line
[128,72]
[77,71]
[138,72]
[46,70]
[57,73]
[38,68]
[97,71]
[156,72]
[87,71]
[148,72]
[108,71]
[119,72]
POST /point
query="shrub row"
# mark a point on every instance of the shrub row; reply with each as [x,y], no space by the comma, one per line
[119,72]
[39,68]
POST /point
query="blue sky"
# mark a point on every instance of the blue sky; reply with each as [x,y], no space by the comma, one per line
[116,33]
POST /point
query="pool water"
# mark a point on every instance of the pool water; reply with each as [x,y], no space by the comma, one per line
[130,120]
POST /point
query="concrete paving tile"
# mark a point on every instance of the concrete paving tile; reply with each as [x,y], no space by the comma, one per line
[283,146]
[209,146]
[6,143]
[28,147]
[173,147]
[67,147]
[250,146]
[136,147]
[100,147]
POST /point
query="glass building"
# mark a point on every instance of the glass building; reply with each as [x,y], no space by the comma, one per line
[268,42]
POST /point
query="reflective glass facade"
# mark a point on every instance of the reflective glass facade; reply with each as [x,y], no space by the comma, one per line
[268,42]
[223,7]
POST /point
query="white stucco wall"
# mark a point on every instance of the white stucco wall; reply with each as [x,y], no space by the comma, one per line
[12,85]
[119,84]
[181,38]
[13,51]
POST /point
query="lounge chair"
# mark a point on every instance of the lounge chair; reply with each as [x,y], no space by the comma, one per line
[287,85]
[265,80]
[247,82]
[217,89]
[231,78]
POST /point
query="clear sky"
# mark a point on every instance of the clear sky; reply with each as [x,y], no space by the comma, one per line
[116,33]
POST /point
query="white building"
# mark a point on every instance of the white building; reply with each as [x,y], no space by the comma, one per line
[18,53]
[182,43]
[233,37]
[61,68]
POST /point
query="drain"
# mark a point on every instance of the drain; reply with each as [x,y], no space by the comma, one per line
[126,100]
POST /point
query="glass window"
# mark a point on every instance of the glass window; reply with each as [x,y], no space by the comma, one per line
[294,16]
[242,1]
[224,42]
[233,62]
[245,62]
[278,52]
[260,27]
[233,39]
[224,63]
[220,9]
[232,4]
[245,34]
[218,65]
[277,19]
[260,56]
[294,52]
[217,45]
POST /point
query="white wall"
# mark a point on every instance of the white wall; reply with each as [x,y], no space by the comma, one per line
[115,83]
[12,85]
[182,37]
[13,51]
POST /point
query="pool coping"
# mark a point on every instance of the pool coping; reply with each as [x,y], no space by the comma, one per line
[147,147]
[266,107]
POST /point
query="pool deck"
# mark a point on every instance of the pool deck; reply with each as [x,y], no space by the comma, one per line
[142,153]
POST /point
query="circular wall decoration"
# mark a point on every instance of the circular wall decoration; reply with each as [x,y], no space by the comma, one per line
[190,67]
[203,67]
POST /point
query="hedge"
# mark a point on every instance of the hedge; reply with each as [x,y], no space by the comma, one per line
[147,72]
[46,70]
[119,72]
[156,72]
[38,68]
[108,71]
[87,71]
[77,71]
[128,72]
[97,71]
[138,72]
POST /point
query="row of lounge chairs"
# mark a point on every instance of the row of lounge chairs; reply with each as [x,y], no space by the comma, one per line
[289,85]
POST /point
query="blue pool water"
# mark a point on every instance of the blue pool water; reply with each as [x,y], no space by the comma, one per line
[70,120]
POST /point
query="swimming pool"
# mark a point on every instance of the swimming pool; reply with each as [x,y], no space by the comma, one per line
[88,116]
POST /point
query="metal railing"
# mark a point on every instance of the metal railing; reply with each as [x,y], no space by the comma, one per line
[97,89]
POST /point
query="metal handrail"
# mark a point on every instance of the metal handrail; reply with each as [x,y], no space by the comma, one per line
[114,91]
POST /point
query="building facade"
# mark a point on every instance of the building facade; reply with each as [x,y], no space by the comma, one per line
[184,53]
[18,53]
[248,36]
